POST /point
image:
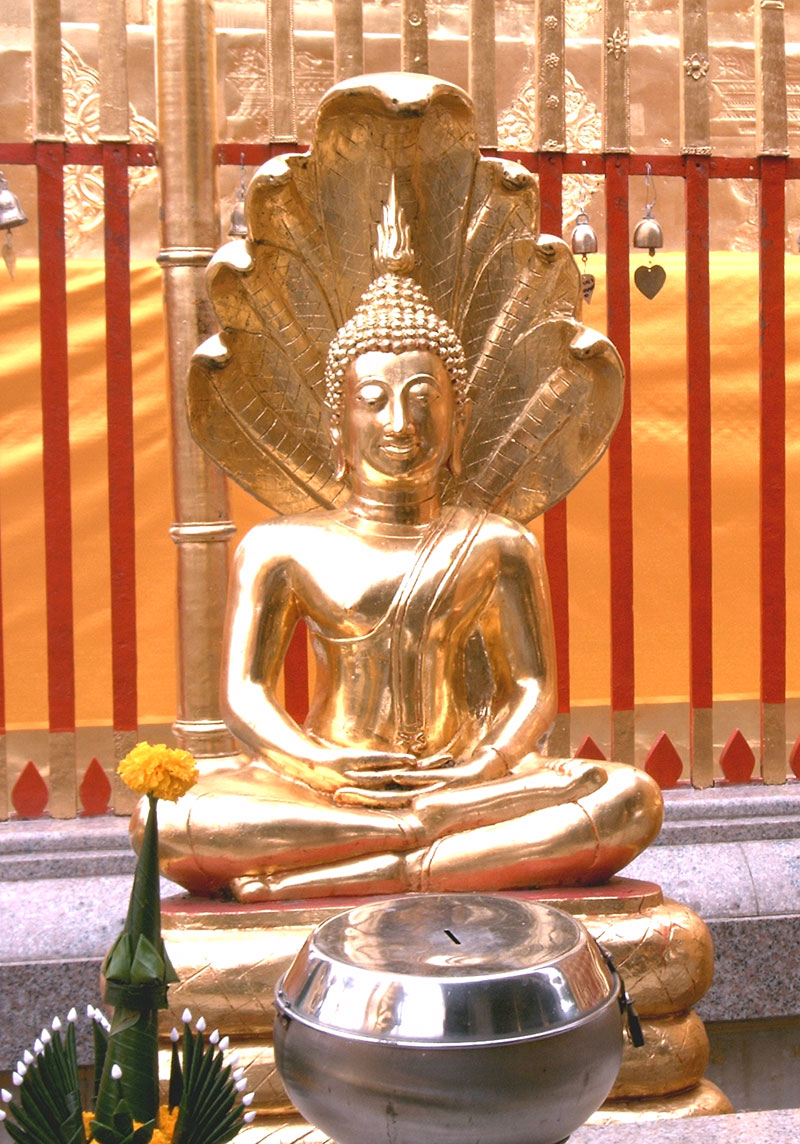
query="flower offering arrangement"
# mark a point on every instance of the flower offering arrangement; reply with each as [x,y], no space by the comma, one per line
[205,1101]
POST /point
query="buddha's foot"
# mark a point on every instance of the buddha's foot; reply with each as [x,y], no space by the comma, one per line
[250,889]
[374,874]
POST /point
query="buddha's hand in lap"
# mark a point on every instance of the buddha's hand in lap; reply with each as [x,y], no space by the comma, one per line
[399,787]
[345,768]
[484,764]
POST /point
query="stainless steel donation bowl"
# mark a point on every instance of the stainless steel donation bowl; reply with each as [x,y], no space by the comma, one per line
[449,1019]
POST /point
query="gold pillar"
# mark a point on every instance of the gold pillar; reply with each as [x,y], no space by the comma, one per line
[616,77]
[414,36]
[114,117]
[348,39]
[695,90]
[482,69]
[48,110]
[280,70]
[185,73]
[551,119]
[771,114]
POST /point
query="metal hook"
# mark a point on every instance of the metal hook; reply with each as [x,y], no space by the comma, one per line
[584,197]
[649,185]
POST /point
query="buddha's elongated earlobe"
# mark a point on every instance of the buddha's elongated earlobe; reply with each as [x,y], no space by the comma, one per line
[454,460]
[340,461]
[453,464]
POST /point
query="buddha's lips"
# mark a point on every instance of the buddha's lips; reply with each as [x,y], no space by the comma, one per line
[404,448]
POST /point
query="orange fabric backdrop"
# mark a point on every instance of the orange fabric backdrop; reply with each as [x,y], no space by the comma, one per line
[660,476]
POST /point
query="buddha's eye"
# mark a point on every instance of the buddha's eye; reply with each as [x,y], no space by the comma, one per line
[423,392]
[371,395]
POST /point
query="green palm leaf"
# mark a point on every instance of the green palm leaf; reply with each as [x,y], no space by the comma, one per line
[210,1111]
[48,1109]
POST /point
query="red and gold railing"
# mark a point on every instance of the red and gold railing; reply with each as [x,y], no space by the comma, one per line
[61,785]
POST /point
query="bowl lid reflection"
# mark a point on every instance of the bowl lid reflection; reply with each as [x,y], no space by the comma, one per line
[447,968]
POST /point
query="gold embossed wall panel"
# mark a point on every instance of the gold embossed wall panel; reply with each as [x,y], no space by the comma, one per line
[641,39]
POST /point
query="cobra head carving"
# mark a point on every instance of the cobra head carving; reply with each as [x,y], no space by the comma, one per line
[397,153]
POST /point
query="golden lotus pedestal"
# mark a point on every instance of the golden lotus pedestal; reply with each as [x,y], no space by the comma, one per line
[229,958]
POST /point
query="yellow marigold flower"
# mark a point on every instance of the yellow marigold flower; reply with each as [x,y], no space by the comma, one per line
[162,1135]
[166,1126]
[164,772]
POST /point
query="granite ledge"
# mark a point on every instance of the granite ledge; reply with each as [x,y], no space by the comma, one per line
[780,1127]
[776,1127]
[731,813]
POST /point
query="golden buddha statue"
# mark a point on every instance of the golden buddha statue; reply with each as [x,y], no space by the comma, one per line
[406,427]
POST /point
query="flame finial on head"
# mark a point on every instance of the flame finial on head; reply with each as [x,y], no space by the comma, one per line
[393,253]
[393,315]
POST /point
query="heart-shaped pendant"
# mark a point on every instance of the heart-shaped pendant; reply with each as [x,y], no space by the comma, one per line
[649,279]
[587,286]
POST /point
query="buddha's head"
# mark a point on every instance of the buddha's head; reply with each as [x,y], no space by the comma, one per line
[395,376]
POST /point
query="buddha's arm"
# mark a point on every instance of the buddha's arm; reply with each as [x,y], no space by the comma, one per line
[518,635]
[262,615]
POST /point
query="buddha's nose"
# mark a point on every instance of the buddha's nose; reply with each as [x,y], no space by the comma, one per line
[400,424]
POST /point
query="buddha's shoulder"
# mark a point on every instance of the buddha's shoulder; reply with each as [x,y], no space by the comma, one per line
[281,535]
[491,526]
[322,529]
[280,524]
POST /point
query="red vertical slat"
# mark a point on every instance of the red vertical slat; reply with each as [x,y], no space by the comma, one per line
[698,343]
[772,361]
[119,399]
[698,361]
[555,521]
[2,686]
[55,437]
[620,451]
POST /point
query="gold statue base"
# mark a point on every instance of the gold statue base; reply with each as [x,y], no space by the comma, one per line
[229,958]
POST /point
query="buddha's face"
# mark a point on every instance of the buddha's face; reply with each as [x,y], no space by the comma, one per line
[397,420]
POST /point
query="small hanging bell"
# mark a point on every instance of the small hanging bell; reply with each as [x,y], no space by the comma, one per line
[584,238]
[584,242]
[11,212]
[11,215]
[649,236]
[238,227]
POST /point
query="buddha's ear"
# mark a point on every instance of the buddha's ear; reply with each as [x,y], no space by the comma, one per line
[454,460]
[339,459]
